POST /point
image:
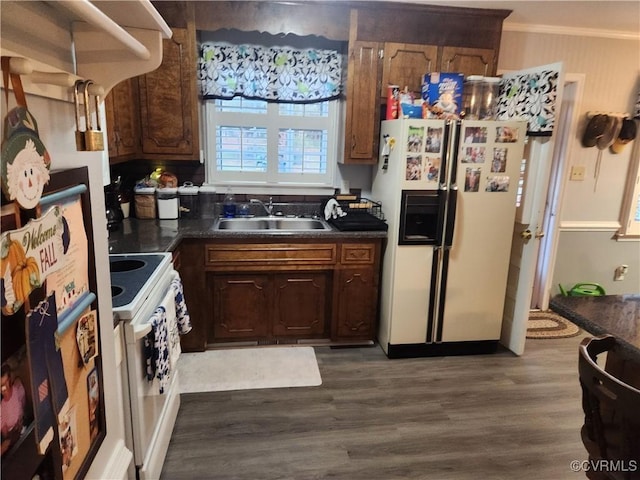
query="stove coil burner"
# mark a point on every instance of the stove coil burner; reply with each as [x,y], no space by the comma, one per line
[115,290]
[117,266]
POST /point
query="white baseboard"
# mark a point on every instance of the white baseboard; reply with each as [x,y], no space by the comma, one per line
[117,465]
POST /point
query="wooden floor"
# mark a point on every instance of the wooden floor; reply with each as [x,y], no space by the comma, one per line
[493,417]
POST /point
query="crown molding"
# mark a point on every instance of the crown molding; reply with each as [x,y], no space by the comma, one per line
[560,30]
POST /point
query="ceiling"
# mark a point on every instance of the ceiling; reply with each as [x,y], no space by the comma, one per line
[621,17]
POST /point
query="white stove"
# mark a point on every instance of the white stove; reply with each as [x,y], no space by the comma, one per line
[140,283]
[133,276]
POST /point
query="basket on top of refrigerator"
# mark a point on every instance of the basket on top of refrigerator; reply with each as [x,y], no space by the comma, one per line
[357,214]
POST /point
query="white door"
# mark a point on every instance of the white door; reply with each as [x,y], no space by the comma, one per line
[527,232]
[567,130]
[528,225]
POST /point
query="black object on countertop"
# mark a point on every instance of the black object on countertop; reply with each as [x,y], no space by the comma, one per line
[359,221]
[362,215]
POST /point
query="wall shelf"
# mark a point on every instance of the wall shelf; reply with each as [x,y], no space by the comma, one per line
[104,41]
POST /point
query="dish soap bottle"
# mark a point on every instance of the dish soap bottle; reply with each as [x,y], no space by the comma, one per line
[229,205]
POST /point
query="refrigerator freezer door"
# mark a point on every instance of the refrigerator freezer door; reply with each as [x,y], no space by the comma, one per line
[410,294]
[414,163]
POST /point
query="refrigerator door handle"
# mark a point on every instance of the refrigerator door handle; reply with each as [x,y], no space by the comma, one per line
[444,174]
[442,294]
[451,217]
[433,294]
[453,154]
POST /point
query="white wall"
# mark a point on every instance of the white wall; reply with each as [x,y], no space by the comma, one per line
[590,212]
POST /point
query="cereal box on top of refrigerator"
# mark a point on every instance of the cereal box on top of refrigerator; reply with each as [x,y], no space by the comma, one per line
[443,92]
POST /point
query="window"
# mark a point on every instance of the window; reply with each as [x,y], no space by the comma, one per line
[259,143]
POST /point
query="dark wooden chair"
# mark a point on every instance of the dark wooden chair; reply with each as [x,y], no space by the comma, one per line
[611,430]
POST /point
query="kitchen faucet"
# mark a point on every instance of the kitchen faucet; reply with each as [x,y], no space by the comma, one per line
[268,209]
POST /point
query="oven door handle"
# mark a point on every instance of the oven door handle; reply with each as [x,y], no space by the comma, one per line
[141,331]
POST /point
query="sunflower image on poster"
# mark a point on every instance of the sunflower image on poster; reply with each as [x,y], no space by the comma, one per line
[28,256]
[25,160]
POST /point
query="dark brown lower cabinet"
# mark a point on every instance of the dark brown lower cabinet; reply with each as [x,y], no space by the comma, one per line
[357,304]
[240,306]
[269,306]
[356,291]
[300,304]
[274,292]
[188,260]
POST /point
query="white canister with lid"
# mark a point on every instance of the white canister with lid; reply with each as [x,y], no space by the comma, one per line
[189,201]
[167,203]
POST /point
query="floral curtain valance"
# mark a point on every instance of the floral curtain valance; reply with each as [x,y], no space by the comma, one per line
[276,74]
[532,97]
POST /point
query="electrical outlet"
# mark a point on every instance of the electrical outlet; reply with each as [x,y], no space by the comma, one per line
[577,173]
[620,272]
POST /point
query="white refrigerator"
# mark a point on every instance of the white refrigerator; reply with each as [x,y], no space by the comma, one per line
[448,189]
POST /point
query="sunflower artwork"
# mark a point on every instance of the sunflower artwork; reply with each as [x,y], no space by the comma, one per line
[28,256]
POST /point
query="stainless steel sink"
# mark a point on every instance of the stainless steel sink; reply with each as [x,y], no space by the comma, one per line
[274,224]
[242,224]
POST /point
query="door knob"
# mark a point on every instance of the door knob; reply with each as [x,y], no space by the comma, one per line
[539,234]
[526,235]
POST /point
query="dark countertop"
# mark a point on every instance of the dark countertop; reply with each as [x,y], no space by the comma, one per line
[618,315]
[143,236]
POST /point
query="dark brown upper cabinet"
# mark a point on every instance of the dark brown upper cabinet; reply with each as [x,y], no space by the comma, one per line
[169,102]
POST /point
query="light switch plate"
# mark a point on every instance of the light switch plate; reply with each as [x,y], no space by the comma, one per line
[577,173]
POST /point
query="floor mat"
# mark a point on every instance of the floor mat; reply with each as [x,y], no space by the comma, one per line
[248,368]
[548,324]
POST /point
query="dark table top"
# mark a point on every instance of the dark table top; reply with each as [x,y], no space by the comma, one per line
[618,315]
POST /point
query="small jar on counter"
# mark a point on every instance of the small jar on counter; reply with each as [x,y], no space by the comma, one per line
[188,193]
[145,202]
[167,203]
[208,200]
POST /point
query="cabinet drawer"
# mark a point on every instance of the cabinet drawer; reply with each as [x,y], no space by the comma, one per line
[272,254]
[358,254]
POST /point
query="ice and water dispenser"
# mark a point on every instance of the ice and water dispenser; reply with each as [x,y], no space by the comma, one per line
[421,217]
